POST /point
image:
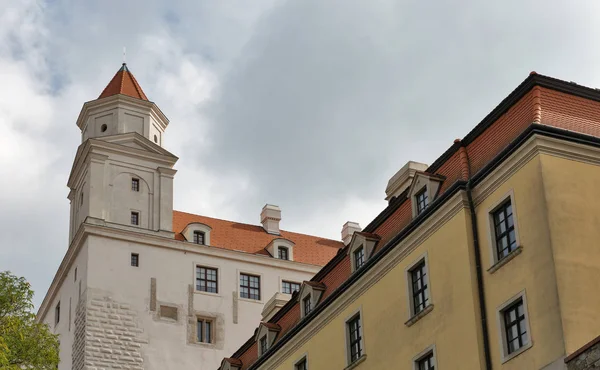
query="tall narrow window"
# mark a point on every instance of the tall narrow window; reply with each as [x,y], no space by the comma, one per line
[135,218]
[204,330]
[284,253]
[199,237]
[57,313]
[263,345]
[75,275]
[359,258]
[206,279]
[301,365]
[289,287]
[515,326]
[250,286]
[426,362]
[422,200]
[307,304]
[135,184]
[80,199]
[135,260]
[504,230]
[354,338]
[420,293]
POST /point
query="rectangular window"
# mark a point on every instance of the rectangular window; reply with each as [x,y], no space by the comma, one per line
[306,302]
[289,287]
[263,345]
[419,290]
[422,200]
[204,330]
[515,326]
[283,253]
[359,258]
[207,279]
[135,218]
[198,237]
[57,313]
[75,276]
[135,260]
[301,365]
[135,184]
[426,362]
[354,338]
[504,230]
[250,286]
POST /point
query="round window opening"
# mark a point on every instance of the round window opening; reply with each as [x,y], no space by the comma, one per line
[103,128]
[156,139]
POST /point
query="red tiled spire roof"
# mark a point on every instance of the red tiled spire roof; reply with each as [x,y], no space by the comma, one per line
[123,83]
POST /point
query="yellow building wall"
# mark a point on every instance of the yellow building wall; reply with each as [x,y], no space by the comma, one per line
[572,191]
[389,344]
[531,271]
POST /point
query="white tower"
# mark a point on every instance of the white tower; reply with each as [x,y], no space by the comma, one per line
[121,174]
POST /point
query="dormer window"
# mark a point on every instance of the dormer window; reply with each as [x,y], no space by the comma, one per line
[310,293]
[422,200]
[199,237]
[231,364]
[265,336]
[264,346]
[359,257]
[283,253]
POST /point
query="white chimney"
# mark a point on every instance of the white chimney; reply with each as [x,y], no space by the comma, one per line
[403,178]
[348,230]
[270,217]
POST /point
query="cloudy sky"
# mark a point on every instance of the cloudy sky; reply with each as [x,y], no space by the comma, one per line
[309,104]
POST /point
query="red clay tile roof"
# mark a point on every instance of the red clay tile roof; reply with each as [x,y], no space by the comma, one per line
[253,238]
[316,285]
[271,326]
[123,83]
[539,100]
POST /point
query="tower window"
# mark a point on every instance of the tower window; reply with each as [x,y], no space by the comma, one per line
[103,128]
[80,199]
[135,218]
[75,277]
[135,260]
[156,139]
[199,237]
[135,184]
[57,313]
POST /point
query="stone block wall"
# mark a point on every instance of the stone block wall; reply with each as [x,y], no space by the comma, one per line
[587,358]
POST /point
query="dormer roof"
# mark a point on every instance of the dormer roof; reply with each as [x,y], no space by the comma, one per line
[123,83]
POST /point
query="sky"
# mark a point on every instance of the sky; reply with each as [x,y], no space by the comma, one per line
[308,104]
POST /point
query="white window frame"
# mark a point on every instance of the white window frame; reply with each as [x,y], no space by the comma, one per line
[409,290]
[504,355]
[363,355]
[421,356]
[491,231]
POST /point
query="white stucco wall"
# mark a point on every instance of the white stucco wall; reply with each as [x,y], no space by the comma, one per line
[164,342]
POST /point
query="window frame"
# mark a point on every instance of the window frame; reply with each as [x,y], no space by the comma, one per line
[424,193]
[263,344]
[137,215]
[135,184]
[429,351]
[239,286]
[137,260]
[203,321]
[286,253]
[503,340]
[412,315]
[496,263]
[291,283]
[307,305]
[196,237]
[303,360]
[216,281]
[360,341]
[57,314]
[363,258]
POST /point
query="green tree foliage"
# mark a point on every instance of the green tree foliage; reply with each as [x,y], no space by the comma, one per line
[24,343]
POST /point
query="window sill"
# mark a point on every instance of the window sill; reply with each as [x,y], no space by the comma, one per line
[355,364]
[207,293]
[210,346]
[505,260]
[507,358]
[419,316]
[249,300]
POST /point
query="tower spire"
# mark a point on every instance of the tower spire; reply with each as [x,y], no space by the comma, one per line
[123,83]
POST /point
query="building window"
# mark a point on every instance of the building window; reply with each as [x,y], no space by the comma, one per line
[135,260]
[75,275]
[199,237]
[283,253]
[135,184]
[419,287]
[80,199]
[301,365]
[426,362]
[515,326]
[57,313]
[307,304]
[289,287]
[206,279]
[135,218]
[263,345]
[204,331]
[504,230]
[422,200]
[354,338]
[250,286]
[359,258]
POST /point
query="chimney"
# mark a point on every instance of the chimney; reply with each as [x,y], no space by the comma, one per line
[273,305]
[403,178]
[348,230]
[270,217]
